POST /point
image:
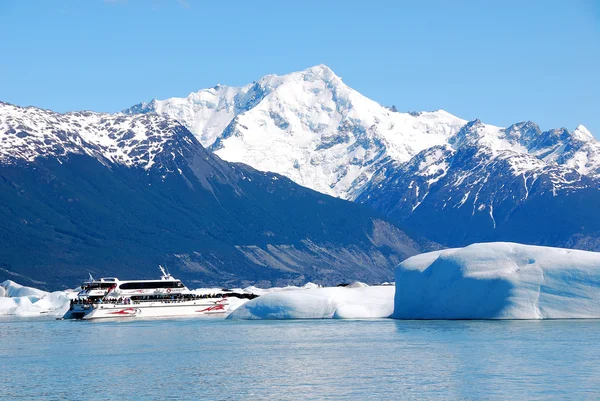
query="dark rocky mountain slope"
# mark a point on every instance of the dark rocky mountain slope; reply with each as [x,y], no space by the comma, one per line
[116,195]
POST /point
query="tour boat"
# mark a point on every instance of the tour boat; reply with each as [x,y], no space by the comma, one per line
[166,297]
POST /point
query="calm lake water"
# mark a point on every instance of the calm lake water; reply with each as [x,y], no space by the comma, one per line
[292,360]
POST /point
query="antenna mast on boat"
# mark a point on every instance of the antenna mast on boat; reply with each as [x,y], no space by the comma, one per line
[166,275]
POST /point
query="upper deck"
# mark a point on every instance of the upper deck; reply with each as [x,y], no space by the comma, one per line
[112,286]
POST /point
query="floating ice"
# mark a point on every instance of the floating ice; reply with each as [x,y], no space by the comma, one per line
[351,302]
[499,281]
[18,300]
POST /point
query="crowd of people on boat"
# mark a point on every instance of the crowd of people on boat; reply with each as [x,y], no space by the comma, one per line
[84,301]
[166,298]
[146,298]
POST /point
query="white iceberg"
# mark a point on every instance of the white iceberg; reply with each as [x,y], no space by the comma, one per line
[499,281]
[18,300]
[262,291]
[356,302]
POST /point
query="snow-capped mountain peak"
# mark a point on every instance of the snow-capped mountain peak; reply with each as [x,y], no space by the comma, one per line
[307,125]
[581,133]
[313,128]
[523,133]
[494,139]
[27,133]
[143,107]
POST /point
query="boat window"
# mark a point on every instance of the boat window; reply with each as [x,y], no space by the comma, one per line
[151,285]
[96,286]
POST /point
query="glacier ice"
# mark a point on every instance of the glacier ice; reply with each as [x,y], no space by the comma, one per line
[499,281]
[351,302]
[18,300]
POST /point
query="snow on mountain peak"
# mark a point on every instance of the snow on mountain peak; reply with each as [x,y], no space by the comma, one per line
[28,133]
[321,68]
[316,130]
[485,136]
[582,133]
[309,126]
[322,134]
[321,71]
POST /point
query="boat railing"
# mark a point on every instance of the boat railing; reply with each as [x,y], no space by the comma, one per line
[128,301]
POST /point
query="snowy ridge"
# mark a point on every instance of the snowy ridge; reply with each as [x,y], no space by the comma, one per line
[488,147]
[578,150]
[28,133]
[314,129]
[480,178]
[308,126]
[206,112]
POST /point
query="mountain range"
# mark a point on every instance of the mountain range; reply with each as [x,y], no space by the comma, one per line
[434,174]
[288,179]
[116,194]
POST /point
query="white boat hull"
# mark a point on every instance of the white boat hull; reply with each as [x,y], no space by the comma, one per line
[199,308]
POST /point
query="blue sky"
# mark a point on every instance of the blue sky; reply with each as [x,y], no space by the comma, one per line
[500,61]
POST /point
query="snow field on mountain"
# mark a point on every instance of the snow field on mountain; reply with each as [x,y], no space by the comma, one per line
[499,281]
[206,113]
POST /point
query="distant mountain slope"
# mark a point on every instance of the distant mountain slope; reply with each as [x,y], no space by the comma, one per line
[116,195]
[443,177]
[469,191]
